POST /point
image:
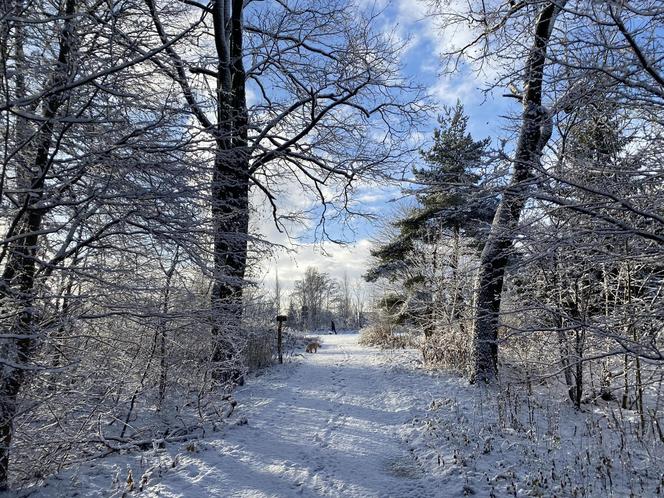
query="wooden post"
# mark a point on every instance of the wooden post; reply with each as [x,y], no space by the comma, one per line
[280,320]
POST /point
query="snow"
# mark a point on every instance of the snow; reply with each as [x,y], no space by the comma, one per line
[327,427]
[354,421]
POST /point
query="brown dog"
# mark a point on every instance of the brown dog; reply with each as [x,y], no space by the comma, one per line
[312,347]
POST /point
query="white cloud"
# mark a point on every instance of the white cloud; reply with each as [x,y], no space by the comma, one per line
[336,260]
[448,90]
[291,256]
[415,17]
[430,40]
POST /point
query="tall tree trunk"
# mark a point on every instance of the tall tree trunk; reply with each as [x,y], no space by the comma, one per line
[230,182]
[163,366]
[230,177]
[535,132]
[22,129]
[579,348]
[18,282]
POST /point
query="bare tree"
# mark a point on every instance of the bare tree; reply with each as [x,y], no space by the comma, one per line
[321,80]
[570,49]
[84,157]
[133,140]
[314,295]
[535,133]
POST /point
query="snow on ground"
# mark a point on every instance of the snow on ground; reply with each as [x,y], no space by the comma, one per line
[327,427]
[518,441]
[353,421]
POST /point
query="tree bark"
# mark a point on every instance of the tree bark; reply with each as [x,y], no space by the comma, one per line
[535,132]
[17,285]
[230,182]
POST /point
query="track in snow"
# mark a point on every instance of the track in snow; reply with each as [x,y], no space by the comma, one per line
[324,427]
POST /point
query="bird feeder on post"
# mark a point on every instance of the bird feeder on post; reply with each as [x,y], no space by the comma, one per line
[280,320]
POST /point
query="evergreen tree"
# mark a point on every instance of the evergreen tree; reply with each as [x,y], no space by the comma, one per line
[449,195]
[450,205]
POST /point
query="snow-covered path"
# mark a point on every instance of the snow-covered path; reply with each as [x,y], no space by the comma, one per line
[325,427]
[352,421]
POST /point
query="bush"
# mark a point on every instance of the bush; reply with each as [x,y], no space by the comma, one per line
[259,349]
[449,349]
[383,334]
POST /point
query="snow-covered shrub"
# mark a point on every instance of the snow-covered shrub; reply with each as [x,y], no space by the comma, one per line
[449,348]
[386,335]
[119,377]
[259,349]
[509,442]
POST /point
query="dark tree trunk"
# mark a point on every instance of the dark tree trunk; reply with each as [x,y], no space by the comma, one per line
[579,347]
[17,299]
[163,366]
[535,132]
[457,297]
[17,285]
[230,184]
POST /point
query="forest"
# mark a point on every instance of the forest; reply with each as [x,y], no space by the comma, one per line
[159,155]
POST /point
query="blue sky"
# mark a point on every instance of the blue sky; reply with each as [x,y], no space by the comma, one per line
[421,62]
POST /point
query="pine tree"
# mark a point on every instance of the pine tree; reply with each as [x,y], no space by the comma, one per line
[449,194]
[450,205]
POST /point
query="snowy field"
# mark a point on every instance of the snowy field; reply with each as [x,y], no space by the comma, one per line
[353,421]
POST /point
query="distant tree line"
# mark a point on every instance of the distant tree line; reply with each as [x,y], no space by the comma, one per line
[318,300]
